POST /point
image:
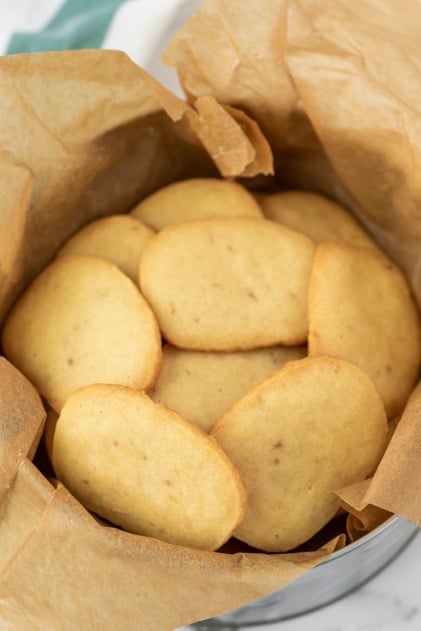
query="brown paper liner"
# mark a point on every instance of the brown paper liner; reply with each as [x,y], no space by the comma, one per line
[98,573]
[358,75]
[22,420]
[362,517]
[396,487]
[325,95]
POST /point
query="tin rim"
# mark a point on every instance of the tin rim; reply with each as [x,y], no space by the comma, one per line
[347,549]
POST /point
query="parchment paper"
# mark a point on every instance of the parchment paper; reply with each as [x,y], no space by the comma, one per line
[325,96]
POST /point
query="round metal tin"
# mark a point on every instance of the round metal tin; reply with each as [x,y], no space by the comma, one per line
[343,572]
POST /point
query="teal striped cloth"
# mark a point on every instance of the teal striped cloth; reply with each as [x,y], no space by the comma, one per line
[141,28]
[76,24]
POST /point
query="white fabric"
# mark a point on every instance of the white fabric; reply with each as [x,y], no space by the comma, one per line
[140,28]
[143,28]
[24,15]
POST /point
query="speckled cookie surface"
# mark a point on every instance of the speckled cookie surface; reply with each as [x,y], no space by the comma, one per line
[361,310]
[228,284]
[197,198]
[82,321]
[119,239]
[145,468]
[201,385]
[316,216]
[316,425]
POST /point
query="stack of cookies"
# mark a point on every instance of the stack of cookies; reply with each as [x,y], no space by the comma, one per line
[217,363]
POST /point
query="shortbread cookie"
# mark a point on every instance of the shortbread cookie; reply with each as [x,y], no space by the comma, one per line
[146,469]
[317,216]
[198,198]
[361,310]
[119,239]
[202,385]
[82,321]
[228,284]
[316,425]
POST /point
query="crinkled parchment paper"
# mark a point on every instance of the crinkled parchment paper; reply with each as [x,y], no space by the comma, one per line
[317,94]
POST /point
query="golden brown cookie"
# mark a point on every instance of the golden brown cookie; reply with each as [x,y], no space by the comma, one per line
[201,385]
[82,321]
[146,469]
[314,426]
[228,284]
[197,198]
[315,215]
[361,310]
[119,239]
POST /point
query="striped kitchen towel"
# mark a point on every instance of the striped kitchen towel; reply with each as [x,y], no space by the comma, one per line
[141,28]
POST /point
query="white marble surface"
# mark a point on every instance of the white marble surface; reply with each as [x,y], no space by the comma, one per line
[391,601]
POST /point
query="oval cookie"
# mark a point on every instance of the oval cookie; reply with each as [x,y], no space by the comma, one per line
[197,198]
[82,321]
[228,284]
[361,310]
[316,216]
[202,385]
[146,469]
[119,239]
[316,425]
